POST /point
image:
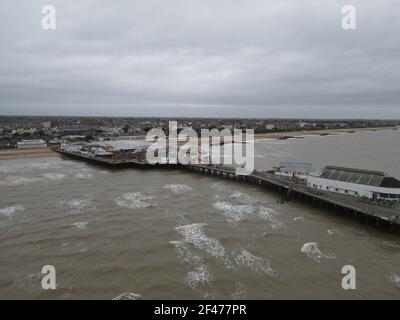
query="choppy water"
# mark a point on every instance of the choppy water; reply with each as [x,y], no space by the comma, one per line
[173,234]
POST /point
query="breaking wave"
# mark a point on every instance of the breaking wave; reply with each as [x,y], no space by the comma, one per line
[178,188]
[395,278]
[128,296]
[79,205]
[81,225]
[236,213]
[199,276]
[9,211]
[194,234]
[83,175]
[246,259]
[54,176]
[311,250]
[133,200]
[268,215]
[333,231]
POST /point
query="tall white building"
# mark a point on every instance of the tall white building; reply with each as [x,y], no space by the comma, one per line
[356,182]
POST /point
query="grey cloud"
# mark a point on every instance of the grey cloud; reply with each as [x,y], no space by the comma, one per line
[237,58]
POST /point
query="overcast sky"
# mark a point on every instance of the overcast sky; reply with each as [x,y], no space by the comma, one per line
[236,58]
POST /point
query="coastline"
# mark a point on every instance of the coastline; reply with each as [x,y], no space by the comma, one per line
[289,134]
[13,154]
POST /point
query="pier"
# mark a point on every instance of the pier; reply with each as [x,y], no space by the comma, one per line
[288,188]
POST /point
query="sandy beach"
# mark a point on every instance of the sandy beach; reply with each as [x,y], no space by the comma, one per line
[10,154]
[280,135]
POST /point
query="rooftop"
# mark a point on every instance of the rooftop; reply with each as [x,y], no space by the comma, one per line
[360,176]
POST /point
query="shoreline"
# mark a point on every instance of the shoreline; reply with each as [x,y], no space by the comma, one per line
[14,154]
[289,134]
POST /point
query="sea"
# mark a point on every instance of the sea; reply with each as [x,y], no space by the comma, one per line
[172,234]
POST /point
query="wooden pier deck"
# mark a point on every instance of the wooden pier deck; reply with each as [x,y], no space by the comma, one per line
[288,188]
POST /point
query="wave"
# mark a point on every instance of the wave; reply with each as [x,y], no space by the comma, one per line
[9,211]
[311,250]
[128,296]
[185,255]
[194,235]
[79,205]
[199,276]
[133,200]
[334,231]
[235,213]
[257,264]
[238,213]
[268,215]
[81,225]
[178,188]
[83,175]
[395,278]
[54,176]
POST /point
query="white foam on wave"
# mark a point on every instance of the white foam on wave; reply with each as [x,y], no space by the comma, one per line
[235,213]
[194,234]
[269,215]
[133,200]
[199,276]
[238,213]
[178,188]
[333,231]
[185,255]
[54,176]
[81,225]
[395,278]
[128,296]
[298,219]
[257,264]
[83,175]
[311,250]
[8,212]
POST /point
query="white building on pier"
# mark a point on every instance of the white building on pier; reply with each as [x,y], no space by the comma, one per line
[356,182]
